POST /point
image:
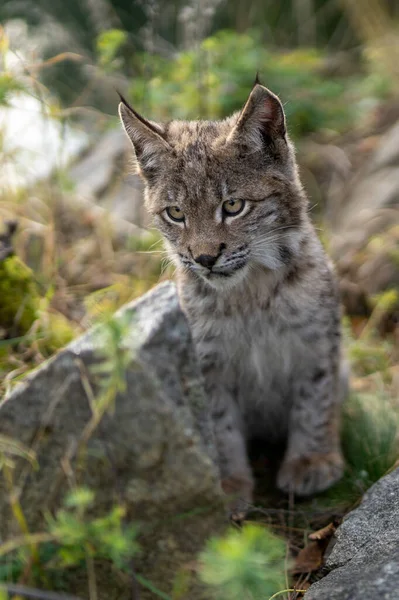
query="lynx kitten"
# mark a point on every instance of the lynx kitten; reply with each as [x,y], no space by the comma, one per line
[255,284]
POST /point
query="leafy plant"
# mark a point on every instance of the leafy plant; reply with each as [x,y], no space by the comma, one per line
[73,538]
[214,81]
[108,44]
[247,564]
[80,536]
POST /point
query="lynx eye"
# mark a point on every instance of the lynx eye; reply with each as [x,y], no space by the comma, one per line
[233,207]
[175,213]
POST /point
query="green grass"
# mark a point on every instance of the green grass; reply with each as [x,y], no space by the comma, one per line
[370,442]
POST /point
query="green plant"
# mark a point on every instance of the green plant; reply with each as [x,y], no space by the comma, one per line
[244,565]
[79,536]
[108,44]
[214,81]
[370,443]
[115,350]
[73,538]
[370,437]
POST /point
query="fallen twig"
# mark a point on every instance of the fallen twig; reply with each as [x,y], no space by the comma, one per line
[27,592]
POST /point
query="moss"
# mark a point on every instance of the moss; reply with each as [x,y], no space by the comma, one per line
[19,298]
[20,306]
[57,334]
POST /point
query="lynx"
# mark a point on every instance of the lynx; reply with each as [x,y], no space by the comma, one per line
[255,284]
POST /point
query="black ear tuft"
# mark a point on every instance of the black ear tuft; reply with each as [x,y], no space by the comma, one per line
[261,119]
[257,80]
[124,101]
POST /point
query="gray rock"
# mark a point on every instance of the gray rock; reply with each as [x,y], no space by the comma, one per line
[125,198]
[372,187]
[364,562]
[153,452]
[93,172]
[104,175]
[364,222]
[387,154]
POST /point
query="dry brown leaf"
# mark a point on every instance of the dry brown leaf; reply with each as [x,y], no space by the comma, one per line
[311,557]
[325,533]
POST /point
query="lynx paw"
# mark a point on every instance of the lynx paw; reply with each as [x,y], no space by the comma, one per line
[239,490]
[310,474]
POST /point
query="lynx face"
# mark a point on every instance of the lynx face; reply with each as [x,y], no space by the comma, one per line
[224,194]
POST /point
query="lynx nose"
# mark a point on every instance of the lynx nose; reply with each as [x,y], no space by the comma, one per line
[206,260]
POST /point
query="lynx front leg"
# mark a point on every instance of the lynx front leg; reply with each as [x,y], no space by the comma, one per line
[313,460]
[237,480]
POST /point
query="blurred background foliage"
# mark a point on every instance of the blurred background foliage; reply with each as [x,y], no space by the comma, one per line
[335,65]
[198,58]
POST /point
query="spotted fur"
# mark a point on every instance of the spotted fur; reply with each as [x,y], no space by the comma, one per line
[257,287]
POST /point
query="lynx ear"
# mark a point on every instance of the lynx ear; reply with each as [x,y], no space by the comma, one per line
[262,119]
[149,144]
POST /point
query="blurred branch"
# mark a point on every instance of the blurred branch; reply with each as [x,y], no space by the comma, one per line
[27,592]
[17,543]
[57,59]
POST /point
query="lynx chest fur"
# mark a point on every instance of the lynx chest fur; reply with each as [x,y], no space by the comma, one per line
[255,284]
[259,342]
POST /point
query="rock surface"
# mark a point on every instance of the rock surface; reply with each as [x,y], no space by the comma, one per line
[153,453]
[364,221]
[364,562]
[104,175]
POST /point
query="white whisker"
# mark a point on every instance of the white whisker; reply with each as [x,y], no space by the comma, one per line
[155,243]
[151,252]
